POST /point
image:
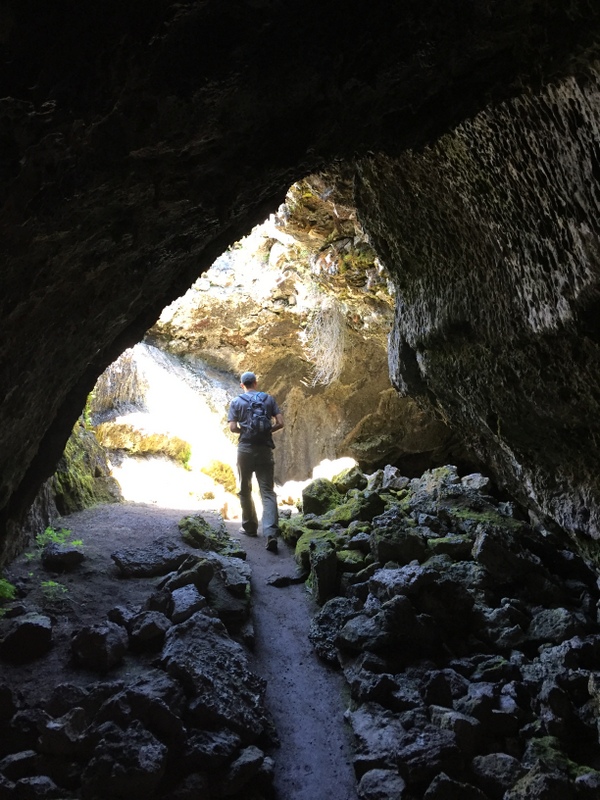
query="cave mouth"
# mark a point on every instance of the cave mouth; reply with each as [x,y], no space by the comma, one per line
[160,409]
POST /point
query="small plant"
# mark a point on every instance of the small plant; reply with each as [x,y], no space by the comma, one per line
[54,593]
[7,590]
[52,536]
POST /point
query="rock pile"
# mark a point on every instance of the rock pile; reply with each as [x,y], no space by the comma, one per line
[470,640]
[162,703]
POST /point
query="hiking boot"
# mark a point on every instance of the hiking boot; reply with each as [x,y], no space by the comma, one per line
[271,544]
[248,533]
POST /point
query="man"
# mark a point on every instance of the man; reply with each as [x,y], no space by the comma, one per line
[255,455]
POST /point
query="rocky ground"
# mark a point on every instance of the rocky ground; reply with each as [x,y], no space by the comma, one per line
[289,738]
[467,639]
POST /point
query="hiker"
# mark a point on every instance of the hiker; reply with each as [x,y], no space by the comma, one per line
[251,414]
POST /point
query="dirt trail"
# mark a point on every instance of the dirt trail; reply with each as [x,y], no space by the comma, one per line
[305,697]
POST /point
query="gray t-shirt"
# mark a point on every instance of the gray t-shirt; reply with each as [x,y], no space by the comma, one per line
[240,412]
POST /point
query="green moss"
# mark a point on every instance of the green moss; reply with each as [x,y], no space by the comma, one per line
[490,516]
[7,590]
[547,749]
[198,533]
[82,478]
[222,474]
[362,506]
[302,554]
[320,496]
[292,529]
[350,560]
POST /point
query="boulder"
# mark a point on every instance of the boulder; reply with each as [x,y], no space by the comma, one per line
[186,601]
[158,558]
[320,496]
[25,638]
[126,764]
[215,671]
[99,647]
[61,557]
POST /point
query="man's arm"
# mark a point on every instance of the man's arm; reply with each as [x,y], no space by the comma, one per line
[278,423]
[234,427]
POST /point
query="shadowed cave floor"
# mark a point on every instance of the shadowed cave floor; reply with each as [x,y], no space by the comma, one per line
[304,696]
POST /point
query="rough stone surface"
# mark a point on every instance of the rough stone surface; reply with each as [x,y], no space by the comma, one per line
[120,185]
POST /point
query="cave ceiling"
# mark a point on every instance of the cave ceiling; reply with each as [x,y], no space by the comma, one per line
[139,141]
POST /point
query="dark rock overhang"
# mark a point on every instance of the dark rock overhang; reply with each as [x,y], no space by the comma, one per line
[139,141]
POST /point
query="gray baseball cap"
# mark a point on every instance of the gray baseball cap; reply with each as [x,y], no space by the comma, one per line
[247,377]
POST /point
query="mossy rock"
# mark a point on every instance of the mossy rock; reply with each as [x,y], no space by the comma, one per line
[350,560]
[292,529]
[350,478]
[302,554]
[457,547]
[198,533]
[82,478]
[467,519]
[222,474]
[399,545]
[320,496]
[363,506]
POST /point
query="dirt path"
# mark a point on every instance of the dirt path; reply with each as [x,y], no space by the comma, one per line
[305,697]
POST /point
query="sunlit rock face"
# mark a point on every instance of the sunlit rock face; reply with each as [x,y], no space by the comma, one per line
[304,303]
[138,142]
[496,262]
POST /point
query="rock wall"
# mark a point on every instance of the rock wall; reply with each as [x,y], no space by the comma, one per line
[140,141]
[492,236]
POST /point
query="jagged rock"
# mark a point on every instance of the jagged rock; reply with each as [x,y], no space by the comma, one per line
[425,752]
[25,638]
[99,647]
[7,788]
[186,601]
[320,496]
[378,735]
[409,579]
[8,702]
[323,570]
[554,625]
[61,557]
[298,576]
[392,478]
[19,765]
[64,736]
[197,532]
[190,788]
[209,750]
[158,558]
[125,764]
[198,573]
[214,669]
[495,773]
[363,632]
[467,730]
[240,772]
[123,616]
[38,787]
[381,784]
[392,539]
[442,787]
[147,630]
[326,624]
[541,784]
[350,478]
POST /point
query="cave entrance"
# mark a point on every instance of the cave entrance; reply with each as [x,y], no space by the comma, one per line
[304,302]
